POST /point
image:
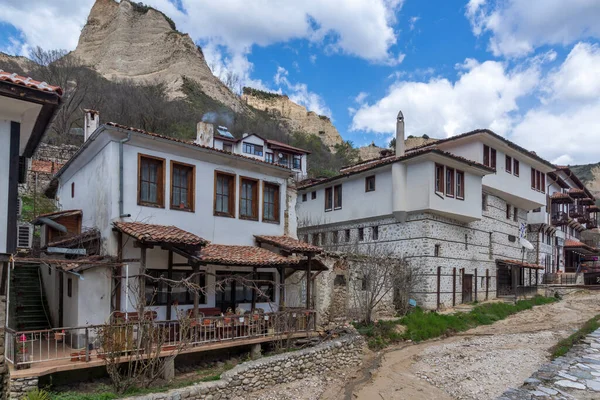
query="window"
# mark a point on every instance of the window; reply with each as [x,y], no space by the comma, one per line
[439,178]
[537,210]
[516,167]
[449,182]
[297,162]
[250,148]
[508,211]
[538,180]
[304,197]
[337,197]
[270,202]
[375,233]
[436,250]
[328,199]
[224,194]
[543,184]
[489,156]
[305,238]
[315,239]
[151,180]
[334,237]
[361,234]
[347,235]
[516,214]
[228,147]
[72,189]
[313,195]
[460,185]
[370,183]
[269,157]
[70,287]
[157,290]
[533,178]
[248,198]
[508,164]
[484,202]
[182,186]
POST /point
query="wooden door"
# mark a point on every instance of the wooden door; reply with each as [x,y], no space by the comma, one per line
[467,294]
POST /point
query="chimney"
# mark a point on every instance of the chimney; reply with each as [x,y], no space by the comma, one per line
[91,123]
[244,135]
[400,147]
[205,133]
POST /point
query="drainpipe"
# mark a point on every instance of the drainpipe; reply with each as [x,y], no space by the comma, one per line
[121,143]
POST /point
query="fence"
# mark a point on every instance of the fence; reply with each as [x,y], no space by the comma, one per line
[567,278]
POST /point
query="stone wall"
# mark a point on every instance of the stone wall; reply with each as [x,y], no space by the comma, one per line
[20,386]
[4,373]
[269,371]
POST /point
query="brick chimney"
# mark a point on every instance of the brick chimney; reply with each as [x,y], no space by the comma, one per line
[91,123]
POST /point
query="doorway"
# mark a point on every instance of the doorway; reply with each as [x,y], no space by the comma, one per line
[467,288]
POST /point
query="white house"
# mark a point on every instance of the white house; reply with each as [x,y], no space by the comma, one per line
[454,209]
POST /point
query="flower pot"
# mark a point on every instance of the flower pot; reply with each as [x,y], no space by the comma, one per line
[75,356]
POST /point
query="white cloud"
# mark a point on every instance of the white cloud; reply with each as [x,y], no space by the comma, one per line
[360,98]
[299,93]
[412,22]
[313,58]
[517,27]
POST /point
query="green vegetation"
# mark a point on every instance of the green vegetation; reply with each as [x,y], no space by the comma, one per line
[37,394]
[261,94]
[422,325]
[34,206]
[143,9]
[563,347]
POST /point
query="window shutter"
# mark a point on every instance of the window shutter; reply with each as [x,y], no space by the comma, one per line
[24,236]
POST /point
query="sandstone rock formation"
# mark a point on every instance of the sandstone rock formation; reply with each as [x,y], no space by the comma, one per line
[369,152]
[412,142]
[126,40]
[294,116]
[15,63]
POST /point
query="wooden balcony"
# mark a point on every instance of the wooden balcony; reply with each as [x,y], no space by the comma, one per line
[559,218]
[576,211]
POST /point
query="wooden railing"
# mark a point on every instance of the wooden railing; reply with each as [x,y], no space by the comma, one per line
[559,218]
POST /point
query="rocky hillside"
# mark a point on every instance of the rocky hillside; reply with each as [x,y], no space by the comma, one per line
[589,174]
[129,40]
[296,117]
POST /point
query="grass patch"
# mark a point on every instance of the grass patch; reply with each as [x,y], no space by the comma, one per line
[422,325]
[563,347]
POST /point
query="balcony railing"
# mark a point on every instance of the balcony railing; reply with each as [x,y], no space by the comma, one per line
[576,210]
[559,218]
[84,343]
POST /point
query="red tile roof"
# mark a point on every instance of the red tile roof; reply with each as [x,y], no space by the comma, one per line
[242,255]
[76,240]
[275,143]
[63,213]
[520,264]
[45,167]
[149,233]
[28,82]
[288,243]
[560,195]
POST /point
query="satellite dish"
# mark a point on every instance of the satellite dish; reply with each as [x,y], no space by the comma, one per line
[280,155]
[526,243]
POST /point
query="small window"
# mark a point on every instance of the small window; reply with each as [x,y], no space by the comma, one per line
[250,148]
[439,178]
[313,195]
[484,202]
[337,197]
[305,238]
[249,199]
[370,183]
[182,187]
[508,211]
[297,162]
[347,235]
[489,156]
[375,233]
[460,185]
[271,209]
[334,237]
[537,210]
[328,199]
[449,182]
[228,147]
[151,180]
[269,158]
[72,189]
[361,234]
[533,178]
[516,167]
[70,287]
[436,250]
[493,158]
[304,197]
[516,214]
[224,194]
[508,164]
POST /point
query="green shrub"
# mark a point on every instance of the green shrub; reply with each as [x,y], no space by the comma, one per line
[563,347]
[37,394]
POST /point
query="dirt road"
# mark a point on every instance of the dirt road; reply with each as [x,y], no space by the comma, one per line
[480,363]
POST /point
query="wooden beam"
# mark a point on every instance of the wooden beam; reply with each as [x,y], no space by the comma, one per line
[196,270]
[308,283]
[254,279]
[142,280]
[281,288]
[169,288]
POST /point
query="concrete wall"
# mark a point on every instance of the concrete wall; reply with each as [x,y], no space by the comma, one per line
[4,166]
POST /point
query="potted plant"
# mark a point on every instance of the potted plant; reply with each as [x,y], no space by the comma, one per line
[22,352]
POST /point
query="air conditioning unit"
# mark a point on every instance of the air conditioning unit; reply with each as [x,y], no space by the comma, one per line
[24,236]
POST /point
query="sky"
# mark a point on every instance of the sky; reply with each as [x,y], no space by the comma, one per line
[527,69]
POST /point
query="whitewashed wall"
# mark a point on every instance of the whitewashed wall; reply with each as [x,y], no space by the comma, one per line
[4,167]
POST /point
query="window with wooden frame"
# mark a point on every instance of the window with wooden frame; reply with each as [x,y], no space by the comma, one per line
[508,164]
[337,197]
[370,183]
[439,178]
[313,195]
[270,202]
[269,158]
[182,186]
[449,182]
[543,184]
[460,185]
[248,198]
[516,167]
[157,289]
[538,180]
[533,178]
[489,156]
[224,194]
[328,199]
[151,181]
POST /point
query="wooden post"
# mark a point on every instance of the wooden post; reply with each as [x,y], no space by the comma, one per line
[487,282]
[196,271]
[475,284]
[254,279]
[439,283]
[119,273]
[453,287]
[169,288]
[142,281]
[308,276]
[281,288]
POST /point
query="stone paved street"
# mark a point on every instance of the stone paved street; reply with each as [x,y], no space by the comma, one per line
[573,376]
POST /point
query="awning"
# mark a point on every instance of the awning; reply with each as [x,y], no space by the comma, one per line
[243,256]
[76,240]
[518,264]
[288,243]
[150,234]
[581,248]
[577,193]
[561,198]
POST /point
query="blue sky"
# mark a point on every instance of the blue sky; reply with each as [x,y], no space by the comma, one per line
[528,69]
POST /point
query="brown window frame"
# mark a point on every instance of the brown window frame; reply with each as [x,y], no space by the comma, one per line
[508,164]
[230,200]
[337,197]
[486,155]
[368,180]
[515,167]
[329,199]
[72,189]
[254,199]
[191,189]
[460,194]
[543,184]
[449,182]
[439,179]
[160,184]
[533,179]
[276,205]
[493,157]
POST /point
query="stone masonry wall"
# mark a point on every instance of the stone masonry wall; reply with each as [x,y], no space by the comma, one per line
[4,373]
[20,386]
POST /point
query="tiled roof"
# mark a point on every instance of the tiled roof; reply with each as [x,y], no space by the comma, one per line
[560,195]
[242,255]
[520,264]
[45,167]
[288,243]
[149,233]
[284,146]
[575,243]
[593,208]
[63,213]
[157,135]
[73,240]
[28,82]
